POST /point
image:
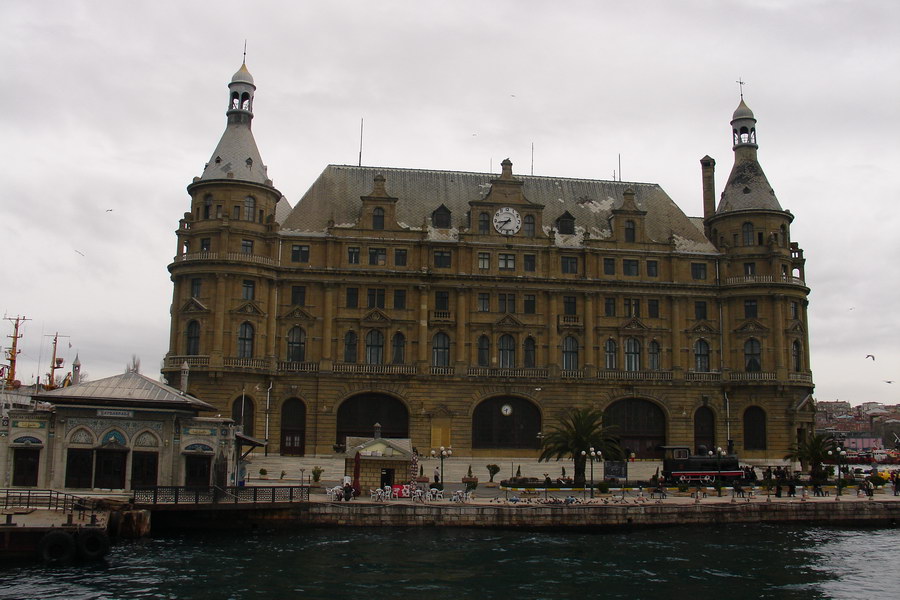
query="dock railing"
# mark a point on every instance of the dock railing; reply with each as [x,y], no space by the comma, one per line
[218,495]
[47,499]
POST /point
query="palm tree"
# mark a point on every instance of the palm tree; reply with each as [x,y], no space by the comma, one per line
[812,452]
[578,431]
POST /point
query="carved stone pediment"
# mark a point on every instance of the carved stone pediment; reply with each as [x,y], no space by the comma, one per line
[194,306]
[796,327]
[508,321]
[703,327]
[376,316]
[751,327]
[298,313]
[634,323]
[248,308]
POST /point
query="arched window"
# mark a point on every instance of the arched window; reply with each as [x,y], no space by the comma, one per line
[484,351]
[192,347]
[528,225]
[569,353]
[629,231]
[249,208]
[484,223]
[701,356]
[747,232]
[754,428]
[374,347]
[653,356]
[752,356]
[296,344]
[609,349]
[245,101]
[440,218]
[398,349]
[632,355]
[378,218]
[440,350]
[507,347]
[529,353]
[235,100]
[350,340]
[245,341]
[797,356]
[242,413]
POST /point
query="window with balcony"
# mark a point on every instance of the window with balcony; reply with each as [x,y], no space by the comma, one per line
[246,246]
[350,344]
[632,354]
[570,305]
[530,307]
[374,347]
[353,255]
[701,356]
[484,351]
[442,259]
[507,261]
[528,351]
[442,300]
[205,244]
[797,356]
[296,345]
[653,358]
[192,339]
[609,352]
[298,295]
[749,269]
[506,346]
[752,356]
[398,349]
[569,353]
[568,264]
[375,298]
[299,253]
[245,341]
[484,260]
[440,350]
[377,256]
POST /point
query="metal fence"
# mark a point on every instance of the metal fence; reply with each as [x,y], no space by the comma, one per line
[217,495]
[46,499]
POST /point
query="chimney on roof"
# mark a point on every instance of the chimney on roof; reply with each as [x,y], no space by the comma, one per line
[708,169]
[377,430]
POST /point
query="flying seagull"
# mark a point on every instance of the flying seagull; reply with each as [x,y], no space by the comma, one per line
[109,210]
[870,356]
[888,381]
[80,252]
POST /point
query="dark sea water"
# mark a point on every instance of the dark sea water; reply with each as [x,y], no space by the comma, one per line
[728,562]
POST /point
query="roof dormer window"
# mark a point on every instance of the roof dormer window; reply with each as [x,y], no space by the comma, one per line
[440,218]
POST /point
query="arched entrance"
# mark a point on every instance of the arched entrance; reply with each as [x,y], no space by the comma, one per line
[293,427]
[639,424]
[704,429]
[506,422]
[357,416]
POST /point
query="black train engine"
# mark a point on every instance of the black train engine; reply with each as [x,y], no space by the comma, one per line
[680,466]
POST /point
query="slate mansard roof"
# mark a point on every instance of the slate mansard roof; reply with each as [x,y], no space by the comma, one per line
[335,198]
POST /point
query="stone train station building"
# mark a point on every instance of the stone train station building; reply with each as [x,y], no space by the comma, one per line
[474,309]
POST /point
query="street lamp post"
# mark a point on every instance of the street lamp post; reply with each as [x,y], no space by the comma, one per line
[718,469]
[442,454]
[592,455]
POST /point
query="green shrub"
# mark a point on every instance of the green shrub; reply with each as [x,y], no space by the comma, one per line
[602,487]
[493,470]
[317,473]
[263,472]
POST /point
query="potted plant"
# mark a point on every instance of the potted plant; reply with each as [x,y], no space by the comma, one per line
[469,478]
[263,474]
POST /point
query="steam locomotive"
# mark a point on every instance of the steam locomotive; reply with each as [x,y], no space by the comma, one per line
[679,465]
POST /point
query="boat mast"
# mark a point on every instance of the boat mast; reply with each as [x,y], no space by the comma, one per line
[13,351]
[55,363]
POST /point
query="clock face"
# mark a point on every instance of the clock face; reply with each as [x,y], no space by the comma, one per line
[506,410]
[507,221]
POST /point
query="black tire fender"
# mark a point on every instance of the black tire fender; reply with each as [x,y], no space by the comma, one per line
[56,548]
[93,544]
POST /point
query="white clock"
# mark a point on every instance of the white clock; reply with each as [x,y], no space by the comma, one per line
[506,410]
[507,221]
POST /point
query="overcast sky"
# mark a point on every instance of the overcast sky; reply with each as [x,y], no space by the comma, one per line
[110,108]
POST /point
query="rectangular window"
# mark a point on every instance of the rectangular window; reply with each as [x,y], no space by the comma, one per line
[530,304]
[442,259]
[630,267]
[795,310]
[236,213]
[632,307]
[700,310]
[399,299]
[484,302]
[507,303]
[750,309]
[247,246]
[698,270]
[377,256]
[570,305]
[375,298]
[652,268]
[609,307]
[749,269]
[507,262]
[484,260]
[442,300]
[352,297]
[609,266]
[195,287]
[298,295]
[653,308]
[400,257]
[530,263]
[299,253]
[248,290]
[205,244]
[569,264]
[353,256]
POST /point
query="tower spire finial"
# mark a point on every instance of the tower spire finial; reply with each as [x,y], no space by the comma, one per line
[244,62]
[740,83]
